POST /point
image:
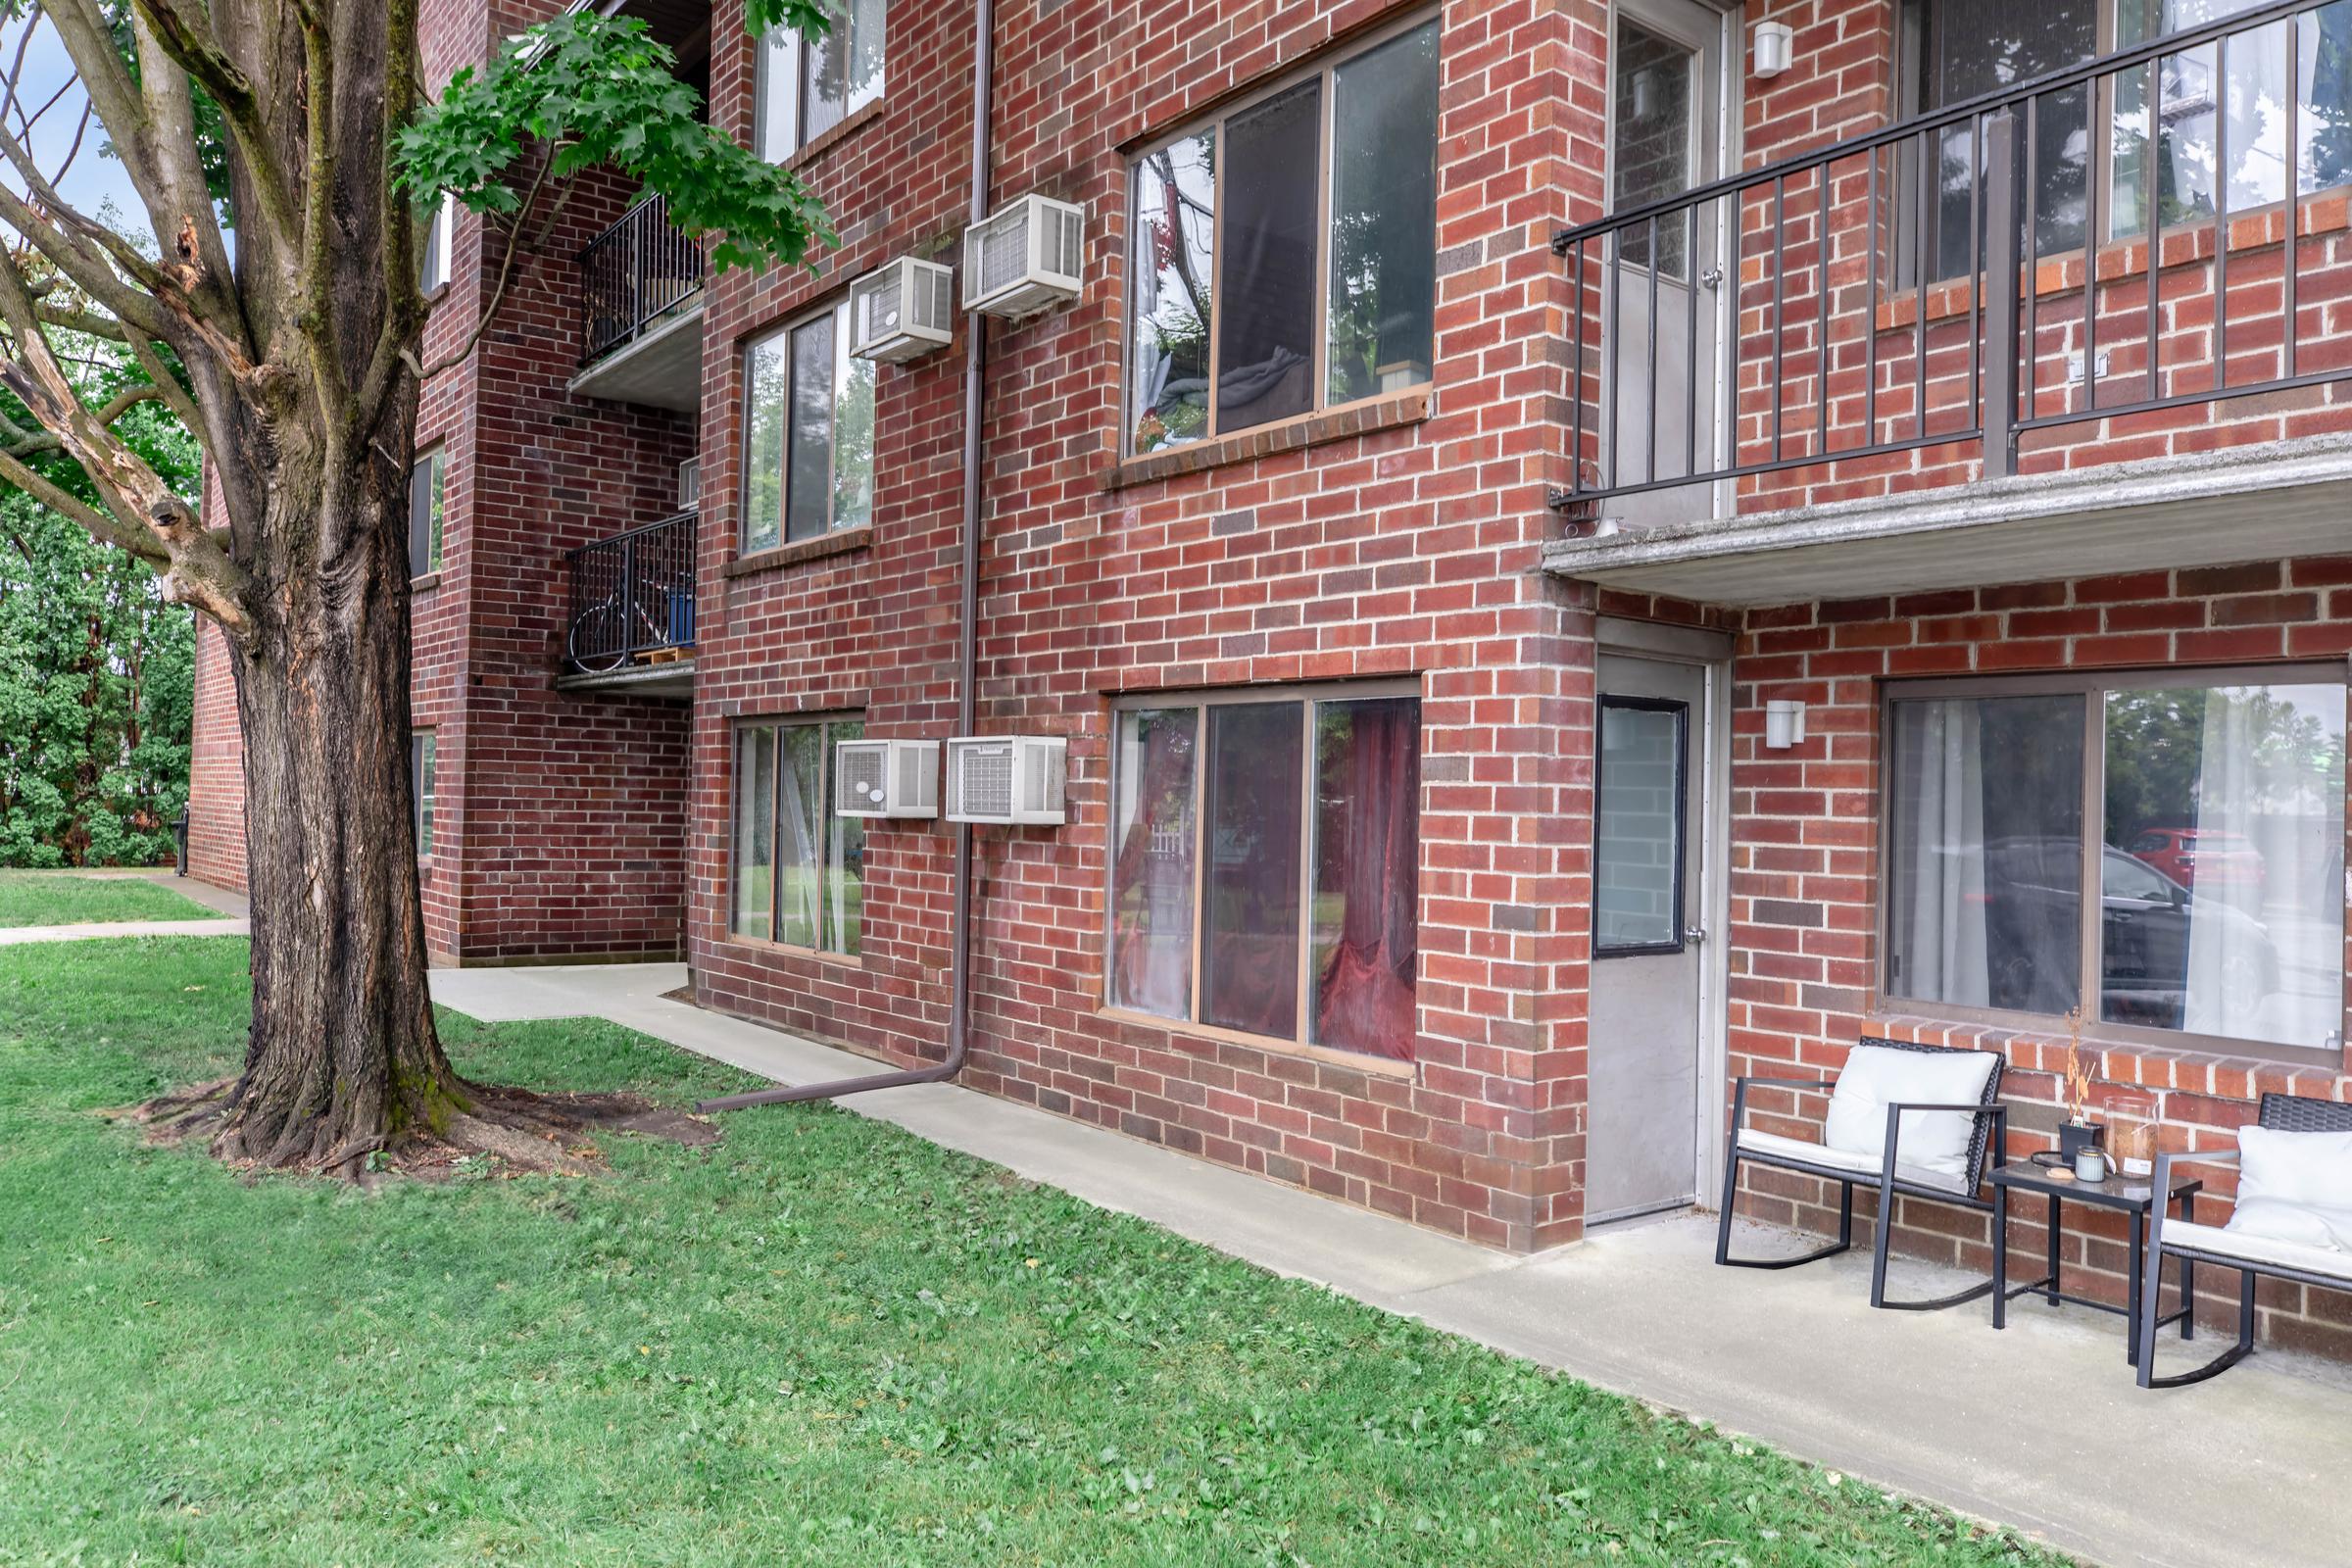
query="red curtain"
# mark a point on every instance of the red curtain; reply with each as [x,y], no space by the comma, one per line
[1365,991]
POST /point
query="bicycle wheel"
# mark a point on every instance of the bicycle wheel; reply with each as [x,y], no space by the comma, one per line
[599,643]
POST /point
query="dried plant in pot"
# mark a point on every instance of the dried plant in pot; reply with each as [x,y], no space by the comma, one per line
[2077,1132]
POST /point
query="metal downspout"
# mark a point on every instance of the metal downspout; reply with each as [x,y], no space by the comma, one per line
[968,652]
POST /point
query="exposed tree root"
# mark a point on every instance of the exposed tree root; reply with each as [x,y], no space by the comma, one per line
[500,1132]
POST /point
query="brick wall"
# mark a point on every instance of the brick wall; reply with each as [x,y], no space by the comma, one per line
[1805,873]
[215,769]
[1395,545]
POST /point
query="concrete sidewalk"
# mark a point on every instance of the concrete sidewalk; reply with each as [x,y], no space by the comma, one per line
[2039,1427]
[231,920]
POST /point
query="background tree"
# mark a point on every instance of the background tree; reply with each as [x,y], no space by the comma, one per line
[296,363]
[97,667]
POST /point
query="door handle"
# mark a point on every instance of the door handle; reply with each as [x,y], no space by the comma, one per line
[1695,934]
[1711,277]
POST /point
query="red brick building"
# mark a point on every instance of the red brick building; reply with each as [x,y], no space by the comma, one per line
[1508,689]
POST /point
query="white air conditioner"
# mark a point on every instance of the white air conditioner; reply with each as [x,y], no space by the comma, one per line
[886,778]
[903,311]
[690,484]
[1025,257]
[1015,779]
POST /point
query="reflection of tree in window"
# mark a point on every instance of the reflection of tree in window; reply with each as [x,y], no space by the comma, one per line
[766,373]
[1384,213]
[1175,225]
[1654,130]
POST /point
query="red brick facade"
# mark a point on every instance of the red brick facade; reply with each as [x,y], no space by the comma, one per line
[1400,541]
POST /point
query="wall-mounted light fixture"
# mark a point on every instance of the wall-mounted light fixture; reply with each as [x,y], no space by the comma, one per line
[1776,48]
[1784,724]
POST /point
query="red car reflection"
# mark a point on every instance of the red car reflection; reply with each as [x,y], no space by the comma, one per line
[2217,862]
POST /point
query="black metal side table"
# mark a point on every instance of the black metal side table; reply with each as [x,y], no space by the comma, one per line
[2134,1197]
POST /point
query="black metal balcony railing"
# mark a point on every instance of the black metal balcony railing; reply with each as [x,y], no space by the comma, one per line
[1948,282]
[633,274]
[632,597]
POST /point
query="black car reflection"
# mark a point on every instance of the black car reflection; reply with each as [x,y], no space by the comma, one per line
[2032,935]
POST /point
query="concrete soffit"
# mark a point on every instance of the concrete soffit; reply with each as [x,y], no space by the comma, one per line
[2207,509]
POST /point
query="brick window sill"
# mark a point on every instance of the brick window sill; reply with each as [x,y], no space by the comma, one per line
[430,580]
[1388,414]
[2199,1069]
[824,141]
[1177,1028]
[2184,245]
[776,557]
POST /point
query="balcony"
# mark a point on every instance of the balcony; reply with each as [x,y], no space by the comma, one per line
[1884,364]
[641,313]
[630,621]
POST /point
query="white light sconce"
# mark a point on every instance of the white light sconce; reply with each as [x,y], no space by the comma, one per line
[1776,48]
[1784,724]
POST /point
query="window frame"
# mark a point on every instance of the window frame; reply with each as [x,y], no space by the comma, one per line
[424,766]
[1322,70]
[801,58]
[436,457]
[1308,697]
[439,239]
[838,308]
[1604,952]
[824,725]
[2092,685]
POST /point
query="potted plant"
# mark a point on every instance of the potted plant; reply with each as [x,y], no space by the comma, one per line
[2077,1132]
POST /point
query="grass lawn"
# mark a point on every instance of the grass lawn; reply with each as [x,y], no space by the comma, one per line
[821,1342]
[48,898]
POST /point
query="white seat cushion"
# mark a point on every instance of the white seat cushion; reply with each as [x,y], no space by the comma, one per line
[2295,1167]
[2225,1242]
[1876,1076]
[1820,1156]
[2305,1224]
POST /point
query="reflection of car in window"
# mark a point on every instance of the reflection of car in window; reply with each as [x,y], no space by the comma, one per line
[2197,857]
[2032,933]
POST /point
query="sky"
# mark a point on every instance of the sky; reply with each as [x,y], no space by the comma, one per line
[95,180]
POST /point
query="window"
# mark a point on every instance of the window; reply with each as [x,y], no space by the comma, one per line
[425,484]
[808,433]
[800,870]
[805,90]
[432,253]
[421,770]
[1255,293]
[1954,50]
[2206,808]
[1265,867]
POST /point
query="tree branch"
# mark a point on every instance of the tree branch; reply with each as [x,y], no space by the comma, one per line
[187,41]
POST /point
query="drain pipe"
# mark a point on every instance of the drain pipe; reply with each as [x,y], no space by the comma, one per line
[967,656]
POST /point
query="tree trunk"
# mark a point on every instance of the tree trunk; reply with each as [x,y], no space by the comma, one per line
[343,1059]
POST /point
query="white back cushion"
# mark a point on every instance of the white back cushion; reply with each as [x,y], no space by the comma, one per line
[2306,1224]
[1876,1076]
[2295,1167]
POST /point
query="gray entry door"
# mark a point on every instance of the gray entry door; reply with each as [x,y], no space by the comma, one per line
[1643,1107]
[1667,284]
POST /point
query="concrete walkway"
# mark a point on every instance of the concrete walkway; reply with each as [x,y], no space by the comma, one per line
[230,922]
[2039,1427]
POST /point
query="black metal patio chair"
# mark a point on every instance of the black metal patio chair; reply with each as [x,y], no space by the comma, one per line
[2254,1256]
[1882,1170]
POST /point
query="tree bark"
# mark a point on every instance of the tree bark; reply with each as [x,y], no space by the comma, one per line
[343,1059]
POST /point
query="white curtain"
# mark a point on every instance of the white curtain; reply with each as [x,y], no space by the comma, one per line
[1946,887]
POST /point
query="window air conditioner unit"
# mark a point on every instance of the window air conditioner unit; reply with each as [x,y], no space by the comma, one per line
[690,484]
[1014,779]
[1025,257]
[886,778]
[903,311]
